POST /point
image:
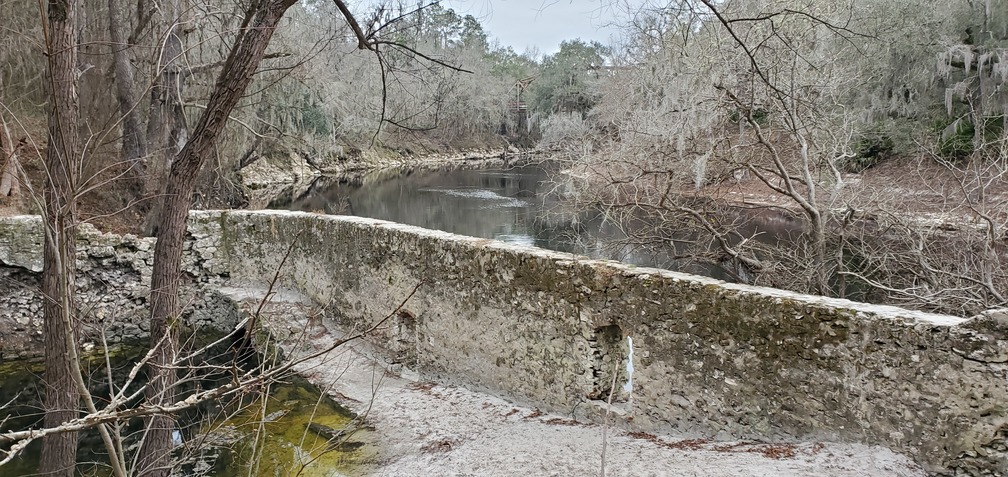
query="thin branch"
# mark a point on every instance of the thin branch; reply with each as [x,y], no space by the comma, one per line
[109,414]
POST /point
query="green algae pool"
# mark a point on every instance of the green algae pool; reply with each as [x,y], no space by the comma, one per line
[295,431]
[301,431]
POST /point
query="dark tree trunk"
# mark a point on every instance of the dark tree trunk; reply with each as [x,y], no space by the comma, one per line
[234,78]
[134,140]
[62,162]
[167,131]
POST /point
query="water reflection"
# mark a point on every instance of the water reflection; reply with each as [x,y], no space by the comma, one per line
[216,438]
[522,205]
[518,205]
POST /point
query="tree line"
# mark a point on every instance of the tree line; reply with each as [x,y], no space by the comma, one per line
[714,115]
[167,100]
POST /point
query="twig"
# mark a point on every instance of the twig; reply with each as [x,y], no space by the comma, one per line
[605,423]
[109,414]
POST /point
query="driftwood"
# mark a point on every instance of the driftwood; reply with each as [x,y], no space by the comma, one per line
[338,438]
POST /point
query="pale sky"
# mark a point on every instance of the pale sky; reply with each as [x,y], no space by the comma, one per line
[542,23]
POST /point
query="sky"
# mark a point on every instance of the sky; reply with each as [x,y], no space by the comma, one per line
[542,24]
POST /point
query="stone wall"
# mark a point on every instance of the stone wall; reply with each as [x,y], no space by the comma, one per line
[710,358]
[113,285]
[549,329]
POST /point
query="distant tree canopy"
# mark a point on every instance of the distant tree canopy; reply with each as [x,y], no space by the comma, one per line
[315,93]
[506,63]
[570,77]
[892,67]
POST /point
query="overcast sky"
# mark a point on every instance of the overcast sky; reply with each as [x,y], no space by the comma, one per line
[542,24]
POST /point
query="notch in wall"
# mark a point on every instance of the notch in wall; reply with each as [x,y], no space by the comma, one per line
[406,336]
[609,355]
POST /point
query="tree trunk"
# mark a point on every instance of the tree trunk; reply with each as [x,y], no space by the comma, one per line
[10,175]
[134,139]
[234,78]
[62,163]
[9,185]
[167,131]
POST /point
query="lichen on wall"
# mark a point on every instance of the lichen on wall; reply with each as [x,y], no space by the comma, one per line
[550,329]
[710,357]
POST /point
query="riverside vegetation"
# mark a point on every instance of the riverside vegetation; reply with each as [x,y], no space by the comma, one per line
[878,127]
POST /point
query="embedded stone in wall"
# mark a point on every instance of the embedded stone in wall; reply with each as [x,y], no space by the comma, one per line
[21,242]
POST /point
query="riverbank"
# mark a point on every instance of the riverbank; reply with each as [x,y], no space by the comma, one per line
[916,232]
[920,190]
[292,175]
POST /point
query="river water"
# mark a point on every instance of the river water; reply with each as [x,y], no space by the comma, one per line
[514,204]
[218,437]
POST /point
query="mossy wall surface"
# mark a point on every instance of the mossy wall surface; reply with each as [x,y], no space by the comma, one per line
[549,329]
[710,358]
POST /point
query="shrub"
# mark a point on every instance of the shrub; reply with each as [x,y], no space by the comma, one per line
[956,140]
[870,149]
[563,128]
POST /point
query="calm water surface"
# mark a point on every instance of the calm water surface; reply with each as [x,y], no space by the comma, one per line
[520,204]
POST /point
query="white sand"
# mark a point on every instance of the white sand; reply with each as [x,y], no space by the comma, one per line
[428,429]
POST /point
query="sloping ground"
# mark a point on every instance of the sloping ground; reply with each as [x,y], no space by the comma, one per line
[920,189]
[709,358]
[426,428]
[418,427]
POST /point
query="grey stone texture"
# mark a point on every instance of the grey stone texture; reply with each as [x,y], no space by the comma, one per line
[550,329]
[711,358]
[113,283]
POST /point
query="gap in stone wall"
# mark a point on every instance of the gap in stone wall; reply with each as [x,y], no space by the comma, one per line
[406,337]
[609,355]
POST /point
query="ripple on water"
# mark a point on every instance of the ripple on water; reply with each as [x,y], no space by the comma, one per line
[521,239]
[481,194]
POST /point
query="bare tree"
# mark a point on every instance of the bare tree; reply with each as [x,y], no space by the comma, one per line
[720,115]
[62,163]
[256,30]
[64,166]
[134,142]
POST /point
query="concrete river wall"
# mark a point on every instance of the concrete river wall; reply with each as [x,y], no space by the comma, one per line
[708,358]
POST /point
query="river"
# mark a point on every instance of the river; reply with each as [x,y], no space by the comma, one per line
[514,204]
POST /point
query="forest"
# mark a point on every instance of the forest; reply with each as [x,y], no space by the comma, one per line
[874,129]
[879,127]
[811,110]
